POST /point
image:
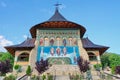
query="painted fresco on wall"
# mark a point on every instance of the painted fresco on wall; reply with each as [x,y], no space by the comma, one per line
[71,52]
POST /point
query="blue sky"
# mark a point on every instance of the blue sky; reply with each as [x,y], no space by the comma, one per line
[101,18]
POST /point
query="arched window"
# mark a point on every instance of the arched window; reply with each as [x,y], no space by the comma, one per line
[64,42]
[23,57]
[75,42]
[58,41]
[70,41]
[41,42]
[51,42]
[46,41]
[92,56]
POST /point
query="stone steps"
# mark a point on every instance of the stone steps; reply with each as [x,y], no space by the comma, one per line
[95,75]
[63,70]
[62,78]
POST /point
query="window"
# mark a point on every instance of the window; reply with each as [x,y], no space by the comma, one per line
[92,56]
[23,57]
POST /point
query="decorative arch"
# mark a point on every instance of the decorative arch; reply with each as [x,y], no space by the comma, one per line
[23,57]
[70,41]
[64,41]
[75,41]
[52,41]
[92,56]
[58,39]
[41,42]
[46,41]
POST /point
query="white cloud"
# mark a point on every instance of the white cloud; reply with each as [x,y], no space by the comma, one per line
[62,6]
[25,36]
[3,4]
[4,42]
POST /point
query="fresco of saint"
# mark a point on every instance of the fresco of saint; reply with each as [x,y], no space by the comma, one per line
[64,42]
[58,51]
[52,51]
[41,42]
[64,51]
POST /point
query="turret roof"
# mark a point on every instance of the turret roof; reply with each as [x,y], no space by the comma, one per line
[57,16]
[57,21]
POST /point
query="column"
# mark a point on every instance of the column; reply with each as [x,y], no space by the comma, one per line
[58,41]
[16,57]
[98,57]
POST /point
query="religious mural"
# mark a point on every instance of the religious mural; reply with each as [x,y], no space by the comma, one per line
[58,49]
[70,52]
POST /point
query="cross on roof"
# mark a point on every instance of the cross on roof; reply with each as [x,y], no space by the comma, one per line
[57,5]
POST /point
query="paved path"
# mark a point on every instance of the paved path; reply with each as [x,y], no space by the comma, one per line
[1,78]
[62,78]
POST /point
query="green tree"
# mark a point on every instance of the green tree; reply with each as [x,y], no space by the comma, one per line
[110,59]
[6,56]
[105,60]
[114,60]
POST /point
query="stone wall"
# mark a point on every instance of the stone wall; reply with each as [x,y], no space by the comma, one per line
[32,57]
[83,52]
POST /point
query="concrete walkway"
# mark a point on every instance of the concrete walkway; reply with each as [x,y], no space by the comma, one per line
[62,78]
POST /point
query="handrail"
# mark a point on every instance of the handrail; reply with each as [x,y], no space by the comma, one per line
[22,77]
[112,75]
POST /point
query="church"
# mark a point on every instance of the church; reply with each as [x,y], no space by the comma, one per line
[60,41]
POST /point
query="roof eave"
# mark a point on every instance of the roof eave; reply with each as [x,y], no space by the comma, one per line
[35,27]
[100,49]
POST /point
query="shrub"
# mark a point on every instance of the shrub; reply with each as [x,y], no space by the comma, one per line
[34,77]
[28,71]
[10,77]
[76,77]
[17,68]
[117,70]
[5,67]
[97,67]
[43,77]
[113,69]
[50,77]
[83,64]
[41,66]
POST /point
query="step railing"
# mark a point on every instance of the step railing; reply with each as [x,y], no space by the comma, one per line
[22,78]
[114,76]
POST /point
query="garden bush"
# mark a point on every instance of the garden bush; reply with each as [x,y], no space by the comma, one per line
[10,77]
